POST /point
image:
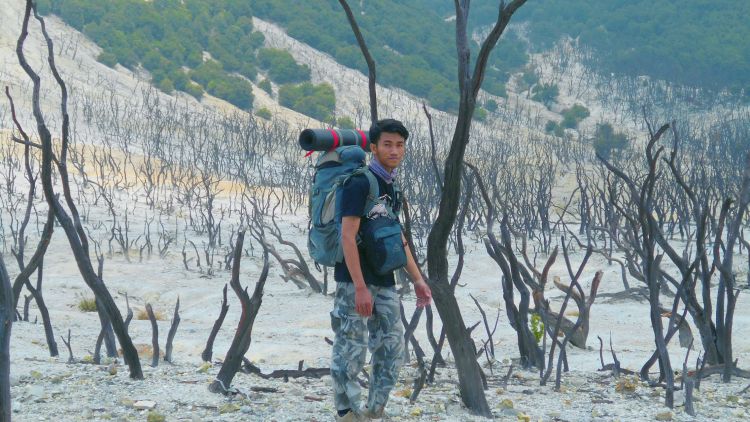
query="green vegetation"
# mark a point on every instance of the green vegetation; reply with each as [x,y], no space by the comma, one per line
[545,93]
[345,122]
[281,66]
[218,83]
[654,38]
[692,42]
[87,304]
[606,140]
[554,128]
[480,114]
[537,327]
[318,101]
[195,46]
[572,116]
[167,36]
[491,106]
[265,85]
[154,416]
[263,113]
[395,32]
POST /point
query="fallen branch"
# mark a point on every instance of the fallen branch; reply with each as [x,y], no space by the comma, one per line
[251,368]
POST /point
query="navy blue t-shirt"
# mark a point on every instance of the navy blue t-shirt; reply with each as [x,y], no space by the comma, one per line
[353,200]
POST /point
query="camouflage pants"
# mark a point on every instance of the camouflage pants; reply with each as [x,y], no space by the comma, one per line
[386,344]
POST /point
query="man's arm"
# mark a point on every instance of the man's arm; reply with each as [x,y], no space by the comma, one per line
[362,296]
[422,290]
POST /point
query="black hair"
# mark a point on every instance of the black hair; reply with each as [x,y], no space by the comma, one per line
[387,125]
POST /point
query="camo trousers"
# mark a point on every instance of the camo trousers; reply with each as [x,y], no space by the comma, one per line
[386,344]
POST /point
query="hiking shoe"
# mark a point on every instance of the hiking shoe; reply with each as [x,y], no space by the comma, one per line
[350,417]
[371,414]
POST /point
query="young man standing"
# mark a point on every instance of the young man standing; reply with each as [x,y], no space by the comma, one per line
[365,301]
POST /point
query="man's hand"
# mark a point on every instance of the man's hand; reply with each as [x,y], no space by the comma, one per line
[363,300]
[424,294]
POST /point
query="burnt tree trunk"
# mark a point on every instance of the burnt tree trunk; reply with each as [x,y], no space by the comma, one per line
[172,332]
[469,372]
[108,335]
[250,308]
[208,351]
[371,77]
[154,335]
[72,227]
[6,321]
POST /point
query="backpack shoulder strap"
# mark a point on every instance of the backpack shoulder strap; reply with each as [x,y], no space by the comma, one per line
[372,197]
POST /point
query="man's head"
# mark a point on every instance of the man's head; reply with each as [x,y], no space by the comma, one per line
[388,142]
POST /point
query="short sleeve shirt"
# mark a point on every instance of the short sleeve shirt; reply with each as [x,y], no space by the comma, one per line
[353,200]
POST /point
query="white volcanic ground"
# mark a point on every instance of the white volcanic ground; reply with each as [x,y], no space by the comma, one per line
[292,323]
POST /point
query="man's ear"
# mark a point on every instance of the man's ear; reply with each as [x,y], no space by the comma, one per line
[373,146]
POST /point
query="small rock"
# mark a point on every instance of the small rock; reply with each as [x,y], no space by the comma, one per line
[14,381]
[664,416]
[246,409]
[506,404]
[36,392]
[16,406]
[35,374]
[144,405]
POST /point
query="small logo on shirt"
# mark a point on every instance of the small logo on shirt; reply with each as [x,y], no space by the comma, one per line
[379,210]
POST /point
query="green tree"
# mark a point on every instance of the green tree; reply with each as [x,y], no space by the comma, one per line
[345,122]
[606,140]
[265,85]
[281,66]
[545,93]
[263,113]
[317,101]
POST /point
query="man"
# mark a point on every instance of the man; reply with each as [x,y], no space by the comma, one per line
[365,301]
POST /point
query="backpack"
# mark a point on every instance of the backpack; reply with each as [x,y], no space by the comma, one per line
[332,170]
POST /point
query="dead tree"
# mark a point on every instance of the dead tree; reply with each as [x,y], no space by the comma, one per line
[106,334]
[295,270]
[172,332]
[469,82]
[250,308]
[6,320]
[22,279]
[723,260]
[208,350]
[154,335]
[18,252]
[642,196]
[512,280]
[72,226]
[371,77]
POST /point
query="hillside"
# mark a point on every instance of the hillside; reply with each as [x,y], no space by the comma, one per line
[165,179]
[700,43]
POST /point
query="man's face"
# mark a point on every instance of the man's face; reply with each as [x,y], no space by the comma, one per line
[389,150]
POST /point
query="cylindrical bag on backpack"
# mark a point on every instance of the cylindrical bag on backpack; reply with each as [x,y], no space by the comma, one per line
[328,139]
